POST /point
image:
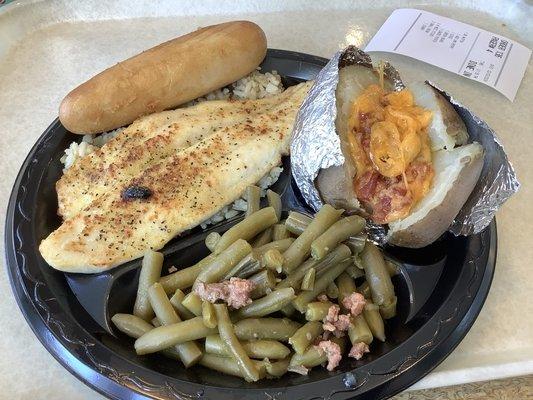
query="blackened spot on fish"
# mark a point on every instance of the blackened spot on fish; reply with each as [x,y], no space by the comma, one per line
[136,192]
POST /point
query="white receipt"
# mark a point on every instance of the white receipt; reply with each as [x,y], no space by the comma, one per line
[471,52]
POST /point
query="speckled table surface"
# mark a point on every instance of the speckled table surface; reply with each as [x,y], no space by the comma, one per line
[47,48]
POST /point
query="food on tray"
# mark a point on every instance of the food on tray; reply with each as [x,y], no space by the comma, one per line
[256,85]
[273,296]
[164,77]
[241,328]
[407,162]
[164,174]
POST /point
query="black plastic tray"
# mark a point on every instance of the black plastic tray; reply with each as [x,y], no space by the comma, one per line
[109,364]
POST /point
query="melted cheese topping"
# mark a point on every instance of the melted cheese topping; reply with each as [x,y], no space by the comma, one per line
[389,145]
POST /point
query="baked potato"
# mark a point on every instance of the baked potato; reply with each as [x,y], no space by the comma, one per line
[438,168]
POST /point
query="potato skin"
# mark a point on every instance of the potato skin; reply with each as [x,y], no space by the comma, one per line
[455,127]
[164,76]
[438,220]
[335,187]
[335,183]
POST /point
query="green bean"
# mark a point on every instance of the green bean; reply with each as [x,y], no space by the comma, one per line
[357,243]
[317,310]
[274,201]
[193,303]
[301,247]
[279,231]
[249,265]
[189,352]
[308,281]
[278,368]
[253,197]
[171,353]
[374,321]
[150,273]
[392,267]
[335,234]
[346,287]
[273,260]
[266,328]
[208,314]
[364,289]
[263,238]
[313,355]
[301,301]
[184,278]
[388,311]
[135,327]
[271,349]
[223,263]
[280,245]
[252,262]
[211,240]
[170,335]
[247,228]
[332,291]
[354,272]
[155,322]
[256,348]
[294,279]
[288,310]
[378,278]
[176,300]
[358,262]
[297,222]
[229,366]
[359,330]
[264,283]
[306,335]
[269,304]
[227,334]
[131,325]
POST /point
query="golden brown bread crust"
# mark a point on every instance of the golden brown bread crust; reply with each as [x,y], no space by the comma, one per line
[164,76]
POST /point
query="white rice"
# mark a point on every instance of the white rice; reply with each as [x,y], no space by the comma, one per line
[88,144]
[255,85]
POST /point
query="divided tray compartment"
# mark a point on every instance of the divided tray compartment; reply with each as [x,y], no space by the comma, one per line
[441,290]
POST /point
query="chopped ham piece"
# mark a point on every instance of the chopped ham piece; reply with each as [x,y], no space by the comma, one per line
[358,350]
[355,303]
[323,298]
[343,323]
[235,292]
[335,323]
[333,313]
[333,353]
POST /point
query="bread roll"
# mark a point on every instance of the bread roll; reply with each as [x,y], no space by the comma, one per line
[164,76]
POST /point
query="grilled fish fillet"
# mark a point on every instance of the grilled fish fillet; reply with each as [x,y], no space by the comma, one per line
[213,151]
[148,141]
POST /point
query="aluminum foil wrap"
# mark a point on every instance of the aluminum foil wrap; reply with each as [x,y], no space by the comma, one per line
[498,179]
[316,146]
